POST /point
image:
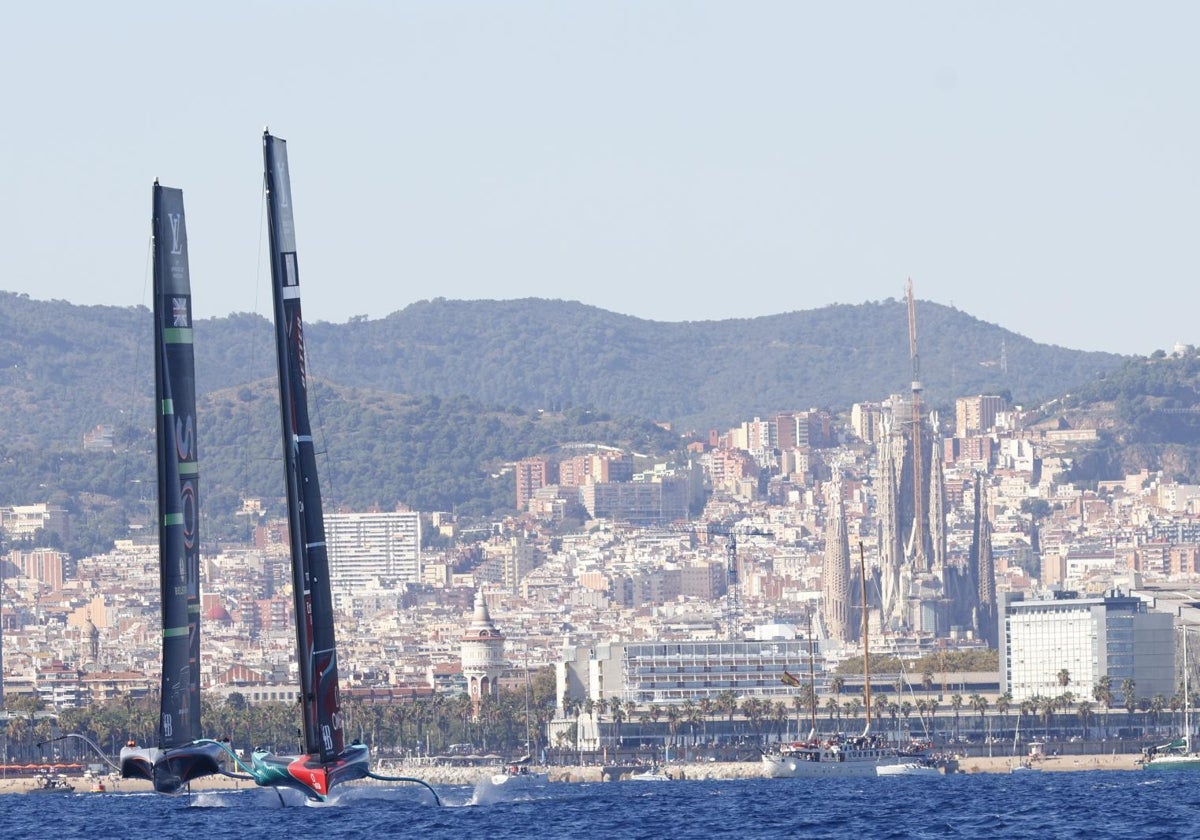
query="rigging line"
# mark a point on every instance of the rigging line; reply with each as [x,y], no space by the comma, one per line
[424,784]
[87,741]
[895,650]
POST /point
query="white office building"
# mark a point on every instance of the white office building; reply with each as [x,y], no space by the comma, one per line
[372,551]
[1088,638]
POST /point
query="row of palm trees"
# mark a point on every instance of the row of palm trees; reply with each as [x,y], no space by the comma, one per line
[507,723]
[418,727]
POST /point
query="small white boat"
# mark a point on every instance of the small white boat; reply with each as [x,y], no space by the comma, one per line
[47,783]
[1025,767]
[653,774]
[907,768]
[519,778]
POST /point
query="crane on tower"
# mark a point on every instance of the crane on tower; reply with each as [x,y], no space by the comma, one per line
[730,531]
[916,547]
[733,582]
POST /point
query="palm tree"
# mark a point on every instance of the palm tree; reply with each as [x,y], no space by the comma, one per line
[673,718]
[727,703]
[1047,706]
[691,713]
[956,701]
[1085,713]
[980,704]
[1064,678]
[655,712]
[906,710]
[835,711]
[755,710]
[707,706]
[879,704]
[617,709]
[779,714]
[1003,702]
[1157,704]
[1127,691]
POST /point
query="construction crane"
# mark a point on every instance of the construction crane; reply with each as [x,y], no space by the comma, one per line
[916,549]
[732,581]
[730,531]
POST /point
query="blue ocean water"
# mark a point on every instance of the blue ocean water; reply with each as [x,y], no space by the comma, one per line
[1096,804]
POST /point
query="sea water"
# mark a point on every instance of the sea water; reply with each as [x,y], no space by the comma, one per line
[1093,804]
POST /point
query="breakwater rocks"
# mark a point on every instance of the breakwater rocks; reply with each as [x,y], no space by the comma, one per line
[447,775]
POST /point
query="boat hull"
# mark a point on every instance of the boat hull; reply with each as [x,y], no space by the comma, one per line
[171,770]
[907,768]
[307,773]
[519,781]
[1173,762]
[797,766]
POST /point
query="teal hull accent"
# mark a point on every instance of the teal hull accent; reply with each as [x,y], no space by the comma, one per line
[307,774]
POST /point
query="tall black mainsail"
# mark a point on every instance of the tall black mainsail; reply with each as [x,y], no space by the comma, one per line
[326,760]
[176,759]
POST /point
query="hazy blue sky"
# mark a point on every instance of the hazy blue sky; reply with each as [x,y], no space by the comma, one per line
[1032,163]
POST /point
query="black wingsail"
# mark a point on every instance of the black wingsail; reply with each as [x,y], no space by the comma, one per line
[177,758]
[327,760]
[178,474]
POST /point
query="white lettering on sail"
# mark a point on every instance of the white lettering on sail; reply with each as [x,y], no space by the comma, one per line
[168,728]
[327,737]
[176,244]
[281,168]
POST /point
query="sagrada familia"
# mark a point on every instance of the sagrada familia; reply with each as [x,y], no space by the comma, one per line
[909,585]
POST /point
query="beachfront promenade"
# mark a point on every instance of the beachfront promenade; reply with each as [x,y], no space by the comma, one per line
[438,775]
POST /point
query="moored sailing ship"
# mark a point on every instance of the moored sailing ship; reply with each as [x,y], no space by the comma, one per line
[837,756]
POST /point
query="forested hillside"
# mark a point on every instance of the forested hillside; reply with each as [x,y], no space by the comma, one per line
[426,406]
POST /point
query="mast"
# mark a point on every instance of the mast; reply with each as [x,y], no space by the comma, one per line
[316,652]
[178,473]
[862,569]
[1187,703]
[812,683]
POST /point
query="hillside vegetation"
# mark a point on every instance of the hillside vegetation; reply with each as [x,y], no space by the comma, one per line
[425,407]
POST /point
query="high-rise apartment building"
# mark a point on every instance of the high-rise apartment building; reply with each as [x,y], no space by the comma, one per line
[532,475]
[376,550]
[975,415]
[1113,636]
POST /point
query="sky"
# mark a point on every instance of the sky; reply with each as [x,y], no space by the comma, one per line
[1034,164]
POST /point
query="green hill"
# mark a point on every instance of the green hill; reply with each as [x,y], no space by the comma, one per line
[425,407]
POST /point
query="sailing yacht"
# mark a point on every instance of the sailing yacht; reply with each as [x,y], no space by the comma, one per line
[837,756]
[325,760]
[178,757]
[1177,755]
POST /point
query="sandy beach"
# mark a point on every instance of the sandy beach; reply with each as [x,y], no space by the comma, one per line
[709,770]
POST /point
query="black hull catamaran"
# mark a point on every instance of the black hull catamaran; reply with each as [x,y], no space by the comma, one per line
[179,756]
[326,761]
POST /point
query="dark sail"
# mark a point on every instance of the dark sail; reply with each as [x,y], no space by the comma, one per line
[315,648]
[178,474]
[180,755]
